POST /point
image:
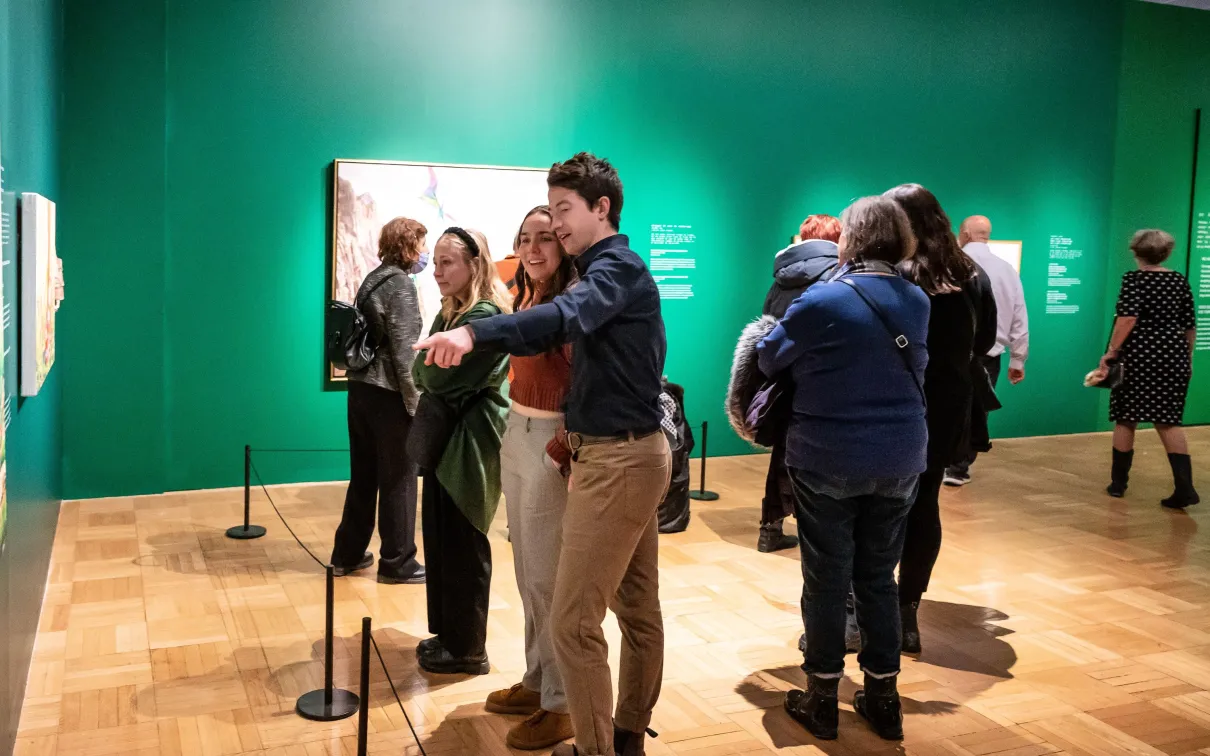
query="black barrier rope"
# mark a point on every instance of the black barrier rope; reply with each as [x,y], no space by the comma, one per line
[396,694]
[311,554]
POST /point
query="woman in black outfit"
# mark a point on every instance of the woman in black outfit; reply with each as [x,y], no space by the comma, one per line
[1153,337]
[962,324]
[382,401]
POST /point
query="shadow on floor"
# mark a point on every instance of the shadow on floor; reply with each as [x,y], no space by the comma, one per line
[740,526]
[962,649]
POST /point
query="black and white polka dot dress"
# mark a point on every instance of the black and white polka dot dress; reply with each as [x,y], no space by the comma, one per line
[1155,358]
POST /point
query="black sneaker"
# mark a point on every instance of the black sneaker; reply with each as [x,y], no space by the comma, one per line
[416,578]
[956,478]
[442,662]
[341,571]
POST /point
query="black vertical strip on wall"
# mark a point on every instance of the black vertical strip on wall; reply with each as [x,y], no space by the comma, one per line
[1197,137]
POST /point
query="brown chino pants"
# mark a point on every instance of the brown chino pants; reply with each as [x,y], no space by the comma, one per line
[610,558]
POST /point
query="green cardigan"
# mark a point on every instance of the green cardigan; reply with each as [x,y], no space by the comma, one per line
[469,469]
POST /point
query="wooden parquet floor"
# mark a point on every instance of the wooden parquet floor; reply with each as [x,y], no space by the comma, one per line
[1060,622]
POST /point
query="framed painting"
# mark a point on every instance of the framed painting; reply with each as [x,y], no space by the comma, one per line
[367,194]
[40,291]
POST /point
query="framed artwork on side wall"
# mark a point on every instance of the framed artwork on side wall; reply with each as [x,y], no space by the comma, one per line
[41,291]
[1009,251]
[369,193]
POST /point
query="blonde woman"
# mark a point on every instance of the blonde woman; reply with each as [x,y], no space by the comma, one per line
[535,491]
[462,475]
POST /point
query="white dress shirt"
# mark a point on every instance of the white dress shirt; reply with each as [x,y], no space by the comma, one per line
[1012,322]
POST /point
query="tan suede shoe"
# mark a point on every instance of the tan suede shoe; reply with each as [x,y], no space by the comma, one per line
[516,700]
[542,730]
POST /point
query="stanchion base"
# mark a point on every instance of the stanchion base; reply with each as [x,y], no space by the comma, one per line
[241,533]
[311,705]
[703,496]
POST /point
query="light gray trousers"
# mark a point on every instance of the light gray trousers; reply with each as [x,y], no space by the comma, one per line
[536,497]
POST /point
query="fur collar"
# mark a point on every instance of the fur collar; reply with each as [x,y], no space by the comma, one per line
[746,377]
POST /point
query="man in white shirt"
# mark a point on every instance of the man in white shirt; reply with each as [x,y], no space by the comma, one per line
[1012,322]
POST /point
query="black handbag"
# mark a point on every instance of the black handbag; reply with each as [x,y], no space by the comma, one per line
[351,342]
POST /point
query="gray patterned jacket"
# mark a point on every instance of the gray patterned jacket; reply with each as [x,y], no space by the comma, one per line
[394,305]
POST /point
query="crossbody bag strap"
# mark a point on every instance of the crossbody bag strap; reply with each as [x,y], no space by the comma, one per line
[902,345]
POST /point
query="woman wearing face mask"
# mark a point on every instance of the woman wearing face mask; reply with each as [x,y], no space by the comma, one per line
[535,491]
[462,491]
[382,401]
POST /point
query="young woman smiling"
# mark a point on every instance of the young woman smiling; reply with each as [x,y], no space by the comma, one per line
[535,491]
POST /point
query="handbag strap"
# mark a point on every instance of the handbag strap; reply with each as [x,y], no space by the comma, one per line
[902,345]
[377,326]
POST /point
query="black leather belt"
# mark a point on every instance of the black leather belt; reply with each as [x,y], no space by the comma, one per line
[577,441]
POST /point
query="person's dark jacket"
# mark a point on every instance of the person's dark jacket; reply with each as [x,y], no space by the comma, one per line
[395,308]
[983,396]
[962,324]
[795,269]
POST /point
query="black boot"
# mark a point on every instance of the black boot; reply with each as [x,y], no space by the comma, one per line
[817,708]
[627,743]
[1182,476]
[773,539]
[1121,473]
[911,630]
[879,705]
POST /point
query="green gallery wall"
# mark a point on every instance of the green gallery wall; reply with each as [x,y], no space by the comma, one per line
[1165,78]
[197,141]
[188,145]
[30,65]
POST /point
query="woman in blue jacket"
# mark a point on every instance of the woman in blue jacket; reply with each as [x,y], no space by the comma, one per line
[855,348]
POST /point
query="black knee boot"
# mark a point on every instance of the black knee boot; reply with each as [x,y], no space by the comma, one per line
[817,708]
[1121,473]
[879,705]
[1182,476]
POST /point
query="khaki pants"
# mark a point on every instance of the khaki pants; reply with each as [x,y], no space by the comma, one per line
[610,559]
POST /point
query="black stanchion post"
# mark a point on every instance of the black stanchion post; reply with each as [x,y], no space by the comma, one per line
[328,704]
[363,713]
[702,494]
[246,531]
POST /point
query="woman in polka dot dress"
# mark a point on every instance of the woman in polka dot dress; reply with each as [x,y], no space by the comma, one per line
[1153,337]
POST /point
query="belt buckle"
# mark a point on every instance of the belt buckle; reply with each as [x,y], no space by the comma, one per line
[575,441]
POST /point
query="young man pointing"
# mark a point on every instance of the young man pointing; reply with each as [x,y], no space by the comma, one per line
[621,459]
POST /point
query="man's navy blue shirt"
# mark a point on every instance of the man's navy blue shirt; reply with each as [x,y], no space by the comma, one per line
[612,316]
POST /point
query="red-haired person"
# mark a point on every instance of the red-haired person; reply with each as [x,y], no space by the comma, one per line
[795,269]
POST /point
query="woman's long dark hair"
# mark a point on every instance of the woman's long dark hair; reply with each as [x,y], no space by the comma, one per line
[565,274]
[939,265]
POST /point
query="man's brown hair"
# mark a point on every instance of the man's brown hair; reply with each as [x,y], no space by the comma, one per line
[592,178]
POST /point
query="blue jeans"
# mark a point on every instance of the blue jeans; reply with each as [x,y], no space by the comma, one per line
[851,531]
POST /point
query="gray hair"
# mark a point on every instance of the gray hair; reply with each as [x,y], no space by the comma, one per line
[877,228]
[1152,245]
